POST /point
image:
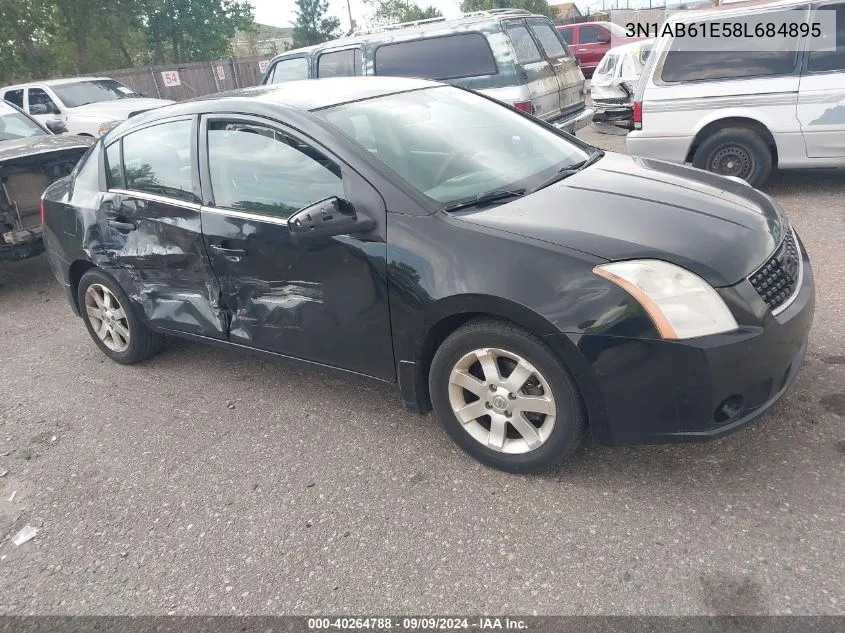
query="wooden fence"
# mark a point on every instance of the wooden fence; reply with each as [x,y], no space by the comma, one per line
[194,79]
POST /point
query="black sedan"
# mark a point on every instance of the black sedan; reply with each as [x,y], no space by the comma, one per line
[528,287]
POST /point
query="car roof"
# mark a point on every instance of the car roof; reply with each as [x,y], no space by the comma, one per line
[749,6]
[55,82]
[306,94]
[433,27]
[313,94]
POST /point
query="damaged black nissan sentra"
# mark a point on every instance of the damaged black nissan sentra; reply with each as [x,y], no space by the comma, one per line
[526,285]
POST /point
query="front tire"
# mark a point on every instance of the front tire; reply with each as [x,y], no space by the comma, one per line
[737,152]
[506,398]
[111,322]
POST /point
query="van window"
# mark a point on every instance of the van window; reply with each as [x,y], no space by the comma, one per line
[702,65]
[825,61]
[549,40]
[288,70]
[447,57]
[345,63]
[523,44]
[684,63]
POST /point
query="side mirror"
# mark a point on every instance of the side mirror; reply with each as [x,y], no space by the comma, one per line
[332,216]
[56,127]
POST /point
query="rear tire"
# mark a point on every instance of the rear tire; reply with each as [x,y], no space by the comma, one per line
[739,152]
[111,322]
[528,423]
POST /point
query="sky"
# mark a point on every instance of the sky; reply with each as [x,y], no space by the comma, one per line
[281,12]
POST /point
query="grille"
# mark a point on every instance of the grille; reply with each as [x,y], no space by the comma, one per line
[777,280]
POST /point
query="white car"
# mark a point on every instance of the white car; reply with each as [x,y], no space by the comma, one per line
[743,114]
[614,80]
[88,106]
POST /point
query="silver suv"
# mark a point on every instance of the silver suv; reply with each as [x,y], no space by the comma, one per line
[511,55]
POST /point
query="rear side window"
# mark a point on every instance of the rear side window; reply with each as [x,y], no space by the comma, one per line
[591,35]
[157,160]
[684,63]
[288,70]
[340,63]
[825,61]
[523,44]
[567,35]
[15,96]
[447,57]
[551,43]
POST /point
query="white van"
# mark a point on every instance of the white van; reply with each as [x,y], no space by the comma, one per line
[742,114]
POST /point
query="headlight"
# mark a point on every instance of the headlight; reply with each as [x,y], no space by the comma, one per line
[681,304]
[106,126]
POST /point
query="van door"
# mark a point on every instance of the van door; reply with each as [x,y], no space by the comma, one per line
[821,94]
[538,76]
[569,78]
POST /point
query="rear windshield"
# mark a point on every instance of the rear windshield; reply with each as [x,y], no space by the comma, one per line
[447,57]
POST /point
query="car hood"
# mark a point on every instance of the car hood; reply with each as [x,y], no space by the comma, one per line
[119,109]
[634,208]
[34,145]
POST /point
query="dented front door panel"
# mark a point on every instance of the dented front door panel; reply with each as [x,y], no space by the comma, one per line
[322,299]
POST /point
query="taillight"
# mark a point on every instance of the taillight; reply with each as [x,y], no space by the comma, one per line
[525,106]
[42,211]
[638,115]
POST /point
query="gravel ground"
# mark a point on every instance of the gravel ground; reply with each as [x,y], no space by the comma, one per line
[208,482]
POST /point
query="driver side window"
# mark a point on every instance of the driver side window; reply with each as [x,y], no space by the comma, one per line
[260,169]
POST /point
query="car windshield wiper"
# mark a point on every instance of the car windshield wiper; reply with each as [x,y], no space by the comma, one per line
[485,198]
[567,171]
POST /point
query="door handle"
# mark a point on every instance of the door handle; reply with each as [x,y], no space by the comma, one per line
[229,253]
[122,226]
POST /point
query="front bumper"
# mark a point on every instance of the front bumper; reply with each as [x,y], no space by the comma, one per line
[575,122]
[644,391]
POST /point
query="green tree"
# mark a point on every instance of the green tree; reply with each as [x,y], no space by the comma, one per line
[393,11]
[535,6]
[30,39]
[193,30]
[311,25]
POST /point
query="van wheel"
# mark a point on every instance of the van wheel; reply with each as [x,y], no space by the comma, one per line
[737,152]
[110,321]
[505,397]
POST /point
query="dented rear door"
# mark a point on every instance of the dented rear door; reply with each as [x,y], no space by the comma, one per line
[151,231]
[322,299]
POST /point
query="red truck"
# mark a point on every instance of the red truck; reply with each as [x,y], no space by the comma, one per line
[589,41]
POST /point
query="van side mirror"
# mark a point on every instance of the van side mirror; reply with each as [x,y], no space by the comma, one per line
[332,216]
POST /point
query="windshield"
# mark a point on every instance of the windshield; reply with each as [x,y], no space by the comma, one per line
[85,92]
[14,125]
[452,145]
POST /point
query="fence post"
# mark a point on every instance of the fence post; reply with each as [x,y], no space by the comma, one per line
[214,76]
[235,72]
[155,83]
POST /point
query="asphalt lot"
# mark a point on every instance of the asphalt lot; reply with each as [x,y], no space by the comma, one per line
[207,481]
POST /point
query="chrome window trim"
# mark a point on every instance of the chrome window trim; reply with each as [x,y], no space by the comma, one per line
[244,215]
[798,283]
[151,197]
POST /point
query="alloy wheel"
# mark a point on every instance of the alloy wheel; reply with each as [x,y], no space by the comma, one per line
[502,401]
[107,317]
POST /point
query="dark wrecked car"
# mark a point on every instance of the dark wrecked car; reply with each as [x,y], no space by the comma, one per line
[524,284]
[31,157]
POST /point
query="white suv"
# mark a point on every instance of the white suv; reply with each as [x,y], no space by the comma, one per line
[88,106]
[742,114]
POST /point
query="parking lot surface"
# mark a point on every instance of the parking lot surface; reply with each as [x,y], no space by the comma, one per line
[209,481]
